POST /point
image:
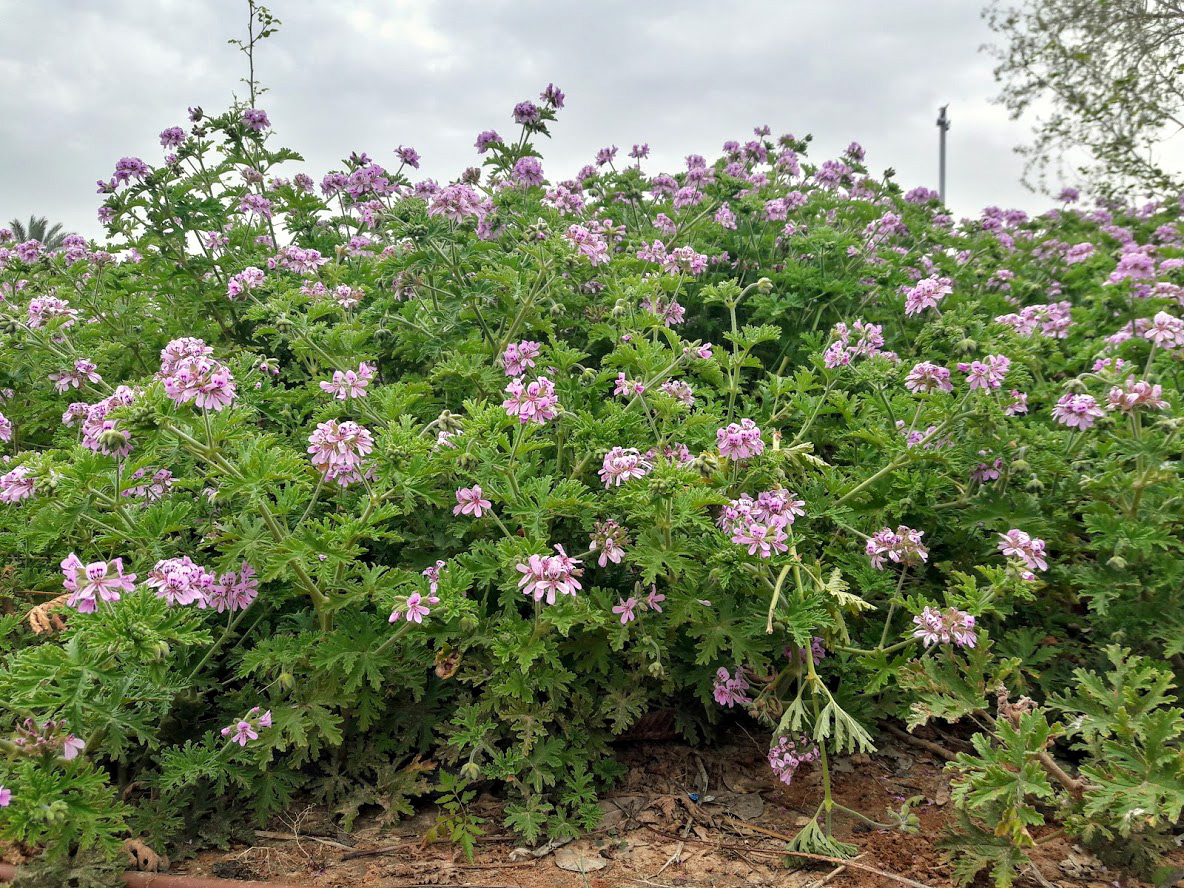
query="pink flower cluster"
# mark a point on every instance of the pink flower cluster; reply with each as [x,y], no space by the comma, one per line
[247,279]
[83,371]
[926,293]
[788,755]
[1053,320]
[350,384]
[339,451]
[681,260]
[942,627]
[987,374]
[1077,411]
[626,608]
[759,524]
[623,464]
[34,739]
[901,546]
[609,539]
[1165,331]
[928,377]
[860,340]
[247,728]
[181,582]
[730,689]
[1134,394]
[532,402]
[234,591]
[589,244]
[545,576]
[45,308]
[91,582]
[190,374]
[520,357]
[1028,549]
[740,440]
[17,485]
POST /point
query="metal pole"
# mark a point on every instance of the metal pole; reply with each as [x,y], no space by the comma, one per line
[943,125]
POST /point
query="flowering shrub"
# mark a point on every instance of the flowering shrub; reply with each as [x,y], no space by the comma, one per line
[348,480]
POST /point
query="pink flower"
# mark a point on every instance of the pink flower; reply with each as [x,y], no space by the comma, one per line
[1030,550]
[83,371]
[91,582]
[5,796]
[654,599]
[414,607]
[1018,403]
[234,591]
[1165,331]
[934,627]
[729,690]
[928,377]
[338,450]
[5,428]
[72,747]
[609,539]
[544,576]
[197,378]
[244,731]
[988,374]
[17,485]
[927,293]
[520,357]
[621,465]
[531,402]
[1077,411]
[761,540]
[740,440]
[350,384]
[788,755]
[469,501]
[181,582]
[625,610]
[902,546]
[1133,394]
[433,575]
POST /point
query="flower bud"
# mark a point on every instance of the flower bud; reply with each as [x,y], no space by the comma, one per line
[706,464]
[656,669]
[764,285]
[113,439]
[470,771]
[340,251]
[286,681]
[159,651]
[968,345]
[1034,485]
[1021,465]
[1116,562]
[11,326]
[450,422]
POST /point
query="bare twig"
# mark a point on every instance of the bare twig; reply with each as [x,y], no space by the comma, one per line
[801,854]
[834,874]
[936,748]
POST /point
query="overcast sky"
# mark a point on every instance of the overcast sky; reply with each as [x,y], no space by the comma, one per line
[88,81]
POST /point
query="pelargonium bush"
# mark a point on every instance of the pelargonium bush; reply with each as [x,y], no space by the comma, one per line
[346,477]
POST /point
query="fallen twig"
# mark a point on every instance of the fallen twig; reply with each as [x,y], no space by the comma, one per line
[292,837]
[936,748]
[834,874]
[904,880]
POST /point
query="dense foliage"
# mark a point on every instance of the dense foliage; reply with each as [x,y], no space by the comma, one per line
[367,489]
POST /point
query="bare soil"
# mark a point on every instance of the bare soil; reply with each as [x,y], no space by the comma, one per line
[681,818]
